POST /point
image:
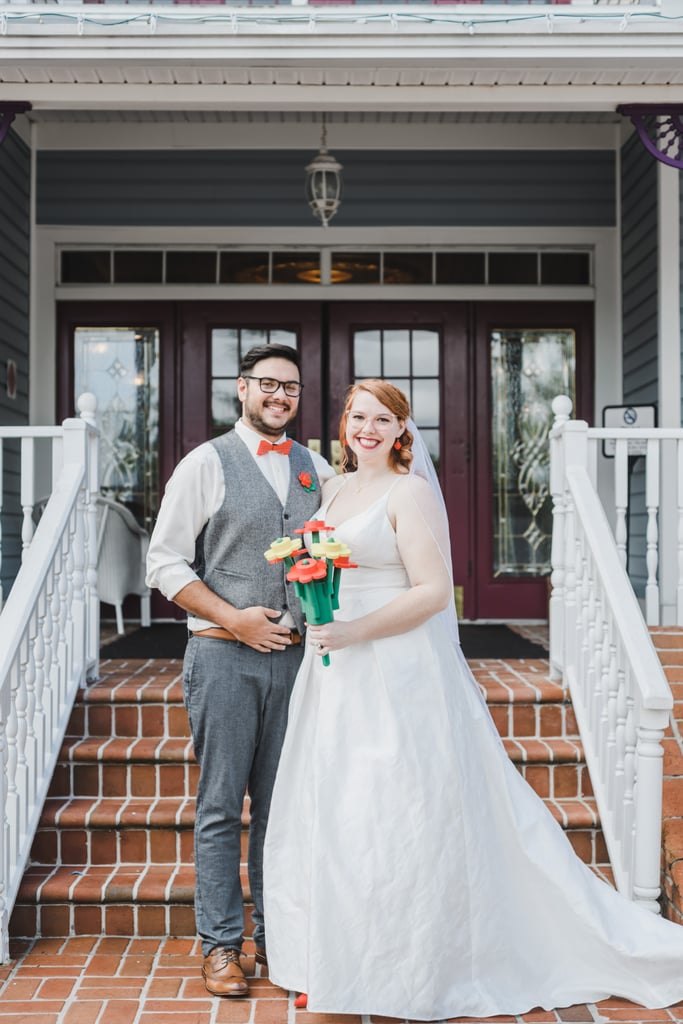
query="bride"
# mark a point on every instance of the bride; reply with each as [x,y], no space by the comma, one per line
[409,869]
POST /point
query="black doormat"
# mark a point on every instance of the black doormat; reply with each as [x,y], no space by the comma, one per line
[161,640]
[497,641]
[167,640]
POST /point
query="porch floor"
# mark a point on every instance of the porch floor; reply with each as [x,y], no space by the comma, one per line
[122,980]
[158,981]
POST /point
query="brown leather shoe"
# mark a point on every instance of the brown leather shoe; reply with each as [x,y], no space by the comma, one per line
[223,975]
[260,956]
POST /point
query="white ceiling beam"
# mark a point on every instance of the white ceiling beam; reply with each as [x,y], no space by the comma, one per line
[142,96]
[305,136]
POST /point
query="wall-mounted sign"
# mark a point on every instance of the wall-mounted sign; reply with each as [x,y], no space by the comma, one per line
[621,416]
[11,379]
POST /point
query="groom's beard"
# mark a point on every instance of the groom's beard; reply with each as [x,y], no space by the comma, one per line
[256,414]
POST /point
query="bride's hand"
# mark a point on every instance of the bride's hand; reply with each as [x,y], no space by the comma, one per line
[331,636]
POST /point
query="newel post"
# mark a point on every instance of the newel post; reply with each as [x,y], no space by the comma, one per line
[569,447]
[87,408]
[562,407]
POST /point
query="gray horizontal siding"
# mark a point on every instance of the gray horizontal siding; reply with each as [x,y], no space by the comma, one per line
[14,332]
[244,187]
[640,321]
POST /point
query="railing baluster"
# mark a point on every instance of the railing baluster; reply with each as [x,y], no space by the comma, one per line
[679,513]
[621,498]
[27,490]
[652,534]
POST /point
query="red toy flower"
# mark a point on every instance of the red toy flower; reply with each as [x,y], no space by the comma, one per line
[306,481]
[308,569]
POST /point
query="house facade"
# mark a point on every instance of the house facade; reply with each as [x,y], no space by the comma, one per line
[504,235]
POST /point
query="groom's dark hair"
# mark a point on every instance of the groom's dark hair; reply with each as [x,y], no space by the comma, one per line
[275,351]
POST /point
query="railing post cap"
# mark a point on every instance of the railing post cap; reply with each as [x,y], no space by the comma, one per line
[562,407]
[87,405]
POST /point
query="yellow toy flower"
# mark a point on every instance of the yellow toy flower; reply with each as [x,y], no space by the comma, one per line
[283,547]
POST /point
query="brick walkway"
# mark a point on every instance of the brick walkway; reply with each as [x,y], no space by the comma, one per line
[119,980]
[152,981]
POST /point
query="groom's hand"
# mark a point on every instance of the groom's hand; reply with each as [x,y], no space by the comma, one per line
[254,627]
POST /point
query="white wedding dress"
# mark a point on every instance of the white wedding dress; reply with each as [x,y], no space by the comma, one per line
[409,870]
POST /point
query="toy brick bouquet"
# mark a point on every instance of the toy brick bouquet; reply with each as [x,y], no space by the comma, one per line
[315,574]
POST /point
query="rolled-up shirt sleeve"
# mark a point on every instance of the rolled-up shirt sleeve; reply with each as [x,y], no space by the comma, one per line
[193,494]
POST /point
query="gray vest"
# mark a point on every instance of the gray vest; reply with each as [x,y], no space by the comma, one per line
[230,549]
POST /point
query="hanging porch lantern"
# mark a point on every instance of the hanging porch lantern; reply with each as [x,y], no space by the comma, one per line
[324,182]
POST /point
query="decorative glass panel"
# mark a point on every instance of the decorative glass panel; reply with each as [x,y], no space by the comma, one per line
[120,365]
[528,368]
[228,346]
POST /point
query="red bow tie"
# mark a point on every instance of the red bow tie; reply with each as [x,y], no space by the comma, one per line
[283,448]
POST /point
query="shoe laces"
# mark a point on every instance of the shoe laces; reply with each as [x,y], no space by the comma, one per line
[224,957]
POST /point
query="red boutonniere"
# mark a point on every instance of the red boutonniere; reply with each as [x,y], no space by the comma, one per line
[306,481]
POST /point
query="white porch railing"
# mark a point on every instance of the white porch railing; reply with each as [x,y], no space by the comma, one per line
[600,645]
[50,633]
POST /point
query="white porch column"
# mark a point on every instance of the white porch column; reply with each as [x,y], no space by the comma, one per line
[669,386]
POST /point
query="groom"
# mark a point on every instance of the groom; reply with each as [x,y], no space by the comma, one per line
[225,503]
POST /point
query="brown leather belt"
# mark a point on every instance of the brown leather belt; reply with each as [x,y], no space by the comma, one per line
[218,633]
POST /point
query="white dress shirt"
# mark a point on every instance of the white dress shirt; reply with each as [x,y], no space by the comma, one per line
[193,494]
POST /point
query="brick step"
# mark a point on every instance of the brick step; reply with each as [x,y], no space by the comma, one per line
[522,704]
[143,898]
[153,769]
[85,832]
[88,830]
[114,850]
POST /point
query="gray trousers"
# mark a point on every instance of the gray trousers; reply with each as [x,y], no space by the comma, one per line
[237,700]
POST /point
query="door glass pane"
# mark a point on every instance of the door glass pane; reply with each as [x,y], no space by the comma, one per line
[367,354]
[120,365]
[397,353]
[528,369]
[425,401]
[228,346]
[425,353]
[224,348]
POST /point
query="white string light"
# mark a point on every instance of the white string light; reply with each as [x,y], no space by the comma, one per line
[394,17]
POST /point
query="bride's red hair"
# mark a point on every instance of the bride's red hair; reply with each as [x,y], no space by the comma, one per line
[395,401]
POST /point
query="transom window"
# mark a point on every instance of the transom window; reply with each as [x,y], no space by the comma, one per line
[337,266]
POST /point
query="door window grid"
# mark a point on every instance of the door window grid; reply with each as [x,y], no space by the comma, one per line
[408,358]
[228,346]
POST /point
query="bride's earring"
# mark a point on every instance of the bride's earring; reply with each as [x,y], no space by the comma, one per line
[397,445]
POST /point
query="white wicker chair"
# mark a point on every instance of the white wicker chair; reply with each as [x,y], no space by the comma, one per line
[121,553]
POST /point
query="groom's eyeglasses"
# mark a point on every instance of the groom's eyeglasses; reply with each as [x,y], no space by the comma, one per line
[270,386]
